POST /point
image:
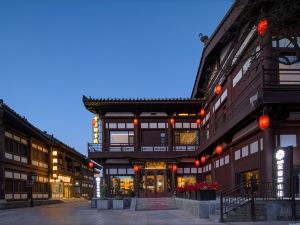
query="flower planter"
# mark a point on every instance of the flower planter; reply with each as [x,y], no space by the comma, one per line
[193,195]
[118,204]
[103,204]
[206,195]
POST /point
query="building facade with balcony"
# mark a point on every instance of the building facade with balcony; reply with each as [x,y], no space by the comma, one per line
[36,165]
[147,145]
[253,60]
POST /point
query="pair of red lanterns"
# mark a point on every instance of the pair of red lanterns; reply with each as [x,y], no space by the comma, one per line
[197,162]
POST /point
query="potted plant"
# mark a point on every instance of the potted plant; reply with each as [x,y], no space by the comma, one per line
[207,191]
[118,202]
[103,202]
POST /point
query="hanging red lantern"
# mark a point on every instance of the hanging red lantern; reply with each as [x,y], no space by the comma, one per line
[202,112]
[135,121]
[136,168]
[203,159]
[262,27]
[198,121]
[218,89]
[264,122]
[197,163]
[219,149]
[172,121]
[174,167]
[93,122]
[91,165]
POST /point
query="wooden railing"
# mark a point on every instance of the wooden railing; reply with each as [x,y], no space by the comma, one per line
[281,77]
[253,190]
[144,148]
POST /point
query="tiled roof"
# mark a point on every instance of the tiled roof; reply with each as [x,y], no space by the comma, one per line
[86,99]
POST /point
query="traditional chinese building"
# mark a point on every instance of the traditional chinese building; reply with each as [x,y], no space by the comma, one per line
[36,165]
[148,145]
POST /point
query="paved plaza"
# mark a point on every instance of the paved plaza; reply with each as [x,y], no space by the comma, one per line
[80,213]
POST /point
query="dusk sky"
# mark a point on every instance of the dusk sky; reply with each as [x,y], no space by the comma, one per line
[54,51]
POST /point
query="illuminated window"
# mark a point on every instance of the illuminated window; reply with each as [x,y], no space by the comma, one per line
[126,184]
[187,137]
[186,180]
[121,137]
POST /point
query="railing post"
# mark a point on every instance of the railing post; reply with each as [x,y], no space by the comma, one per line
[221,207]
[252,189]
[293,198]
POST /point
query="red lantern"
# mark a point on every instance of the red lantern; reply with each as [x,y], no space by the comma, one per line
[136,168]
[203,159]
[197,163]
[202,112]
[218,89]
[262,27]
[172,121]
[198,121]
[91,165]
[219,149]
[135,121]
[93,122]
[174,167]
[264,122]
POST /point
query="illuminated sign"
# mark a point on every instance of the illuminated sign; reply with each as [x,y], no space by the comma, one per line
[96,129]
[65,179]
[98,195]
[279,156]
[155,165]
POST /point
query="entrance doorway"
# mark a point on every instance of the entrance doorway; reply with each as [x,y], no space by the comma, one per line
[155,183]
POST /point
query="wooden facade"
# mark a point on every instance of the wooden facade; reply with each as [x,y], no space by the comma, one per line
[259,75]
[25,151]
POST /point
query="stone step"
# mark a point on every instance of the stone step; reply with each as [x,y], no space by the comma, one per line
[155,203]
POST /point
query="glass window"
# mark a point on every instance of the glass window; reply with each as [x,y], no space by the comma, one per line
[8,145]
[288,140]
[163,139]
[208,178]
[16,148]
[187,137]
[8,186]
[186,180]
[126,184]
[121,137]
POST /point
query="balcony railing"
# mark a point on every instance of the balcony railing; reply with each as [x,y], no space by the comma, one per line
[129,148]
[154,148]
[185,148]
[281,77]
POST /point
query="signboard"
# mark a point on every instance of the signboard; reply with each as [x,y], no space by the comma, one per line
[283,171]
[155,165]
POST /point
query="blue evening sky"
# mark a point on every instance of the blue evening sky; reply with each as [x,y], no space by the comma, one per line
[54,51]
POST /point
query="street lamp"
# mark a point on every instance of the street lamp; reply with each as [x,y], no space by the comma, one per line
[32,180]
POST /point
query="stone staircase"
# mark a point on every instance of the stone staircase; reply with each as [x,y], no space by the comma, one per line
[264,211]
[155,204]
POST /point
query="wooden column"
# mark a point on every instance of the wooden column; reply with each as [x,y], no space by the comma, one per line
[213,172]
[266,172]
[170,134]
[137,134]
[231,164]
[103,131]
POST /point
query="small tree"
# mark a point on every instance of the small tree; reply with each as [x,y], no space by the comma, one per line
[117,189]
[103,191]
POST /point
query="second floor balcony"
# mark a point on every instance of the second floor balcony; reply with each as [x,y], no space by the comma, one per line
[142,148]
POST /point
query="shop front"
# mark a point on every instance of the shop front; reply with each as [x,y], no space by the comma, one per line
[155,180]
[61,187]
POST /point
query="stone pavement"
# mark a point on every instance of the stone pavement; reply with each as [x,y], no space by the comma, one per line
[80,213]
